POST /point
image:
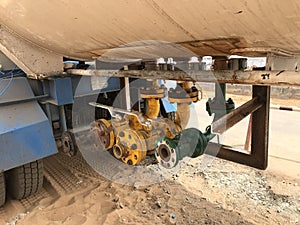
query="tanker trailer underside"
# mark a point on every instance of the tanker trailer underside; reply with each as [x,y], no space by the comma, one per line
[153,134]
[131,133]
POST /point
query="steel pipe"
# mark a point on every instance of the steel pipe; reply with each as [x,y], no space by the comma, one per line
[232,118]
[264,78]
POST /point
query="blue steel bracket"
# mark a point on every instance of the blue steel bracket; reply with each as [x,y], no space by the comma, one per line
[87,85]
[25,132]
[60,90]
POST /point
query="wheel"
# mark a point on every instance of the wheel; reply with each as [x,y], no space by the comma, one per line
[25,180]
[2,189]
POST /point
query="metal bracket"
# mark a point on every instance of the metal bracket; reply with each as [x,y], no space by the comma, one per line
[282,63]
[258,156]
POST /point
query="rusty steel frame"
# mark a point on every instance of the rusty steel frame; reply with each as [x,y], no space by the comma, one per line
[232,118]
[259,106]
[264,78]
[258,155]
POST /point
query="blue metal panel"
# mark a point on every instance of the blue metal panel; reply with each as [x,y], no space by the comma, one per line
[25,132]
[61,90]
[86,85]
[26,144]
[113,83]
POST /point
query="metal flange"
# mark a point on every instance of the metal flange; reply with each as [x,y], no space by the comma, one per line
[104,130]
[69,143]
[180,95]
[130,147]
[166,154]
[190,143]
[152,92]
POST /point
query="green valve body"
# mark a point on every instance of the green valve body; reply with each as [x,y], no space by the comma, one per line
[190,143]
[218,105]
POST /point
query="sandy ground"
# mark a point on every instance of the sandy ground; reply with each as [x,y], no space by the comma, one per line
[221,192]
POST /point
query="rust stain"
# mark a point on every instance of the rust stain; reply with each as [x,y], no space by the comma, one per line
[221,46]
[234,76]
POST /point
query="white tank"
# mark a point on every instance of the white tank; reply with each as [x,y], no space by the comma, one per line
[86,29]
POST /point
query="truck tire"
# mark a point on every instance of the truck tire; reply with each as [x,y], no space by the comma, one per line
[25,180]
[2,189]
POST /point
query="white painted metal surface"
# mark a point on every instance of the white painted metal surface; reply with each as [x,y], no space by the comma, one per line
[86,29]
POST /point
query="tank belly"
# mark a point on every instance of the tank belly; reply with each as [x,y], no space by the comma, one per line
[84,30]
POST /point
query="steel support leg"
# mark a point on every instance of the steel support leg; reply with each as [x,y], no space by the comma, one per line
[123,100]
[48,112]
[258,156]
[62,116]
[260,128]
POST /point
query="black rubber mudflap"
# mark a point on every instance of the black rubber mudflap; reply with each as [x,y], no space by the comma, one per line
[25,180]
